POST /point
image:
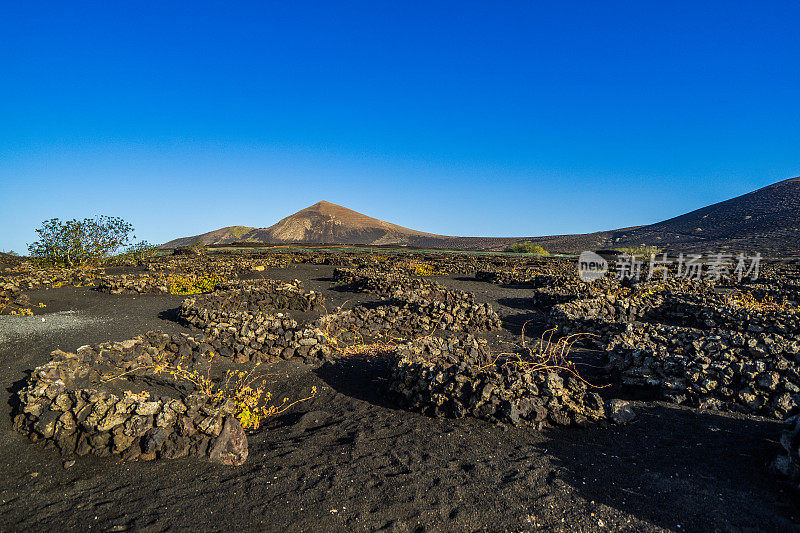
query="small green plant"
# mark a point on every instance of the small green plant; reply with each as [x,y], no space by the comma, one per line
[184,285]
[527,247]
[639,251]
[425,269]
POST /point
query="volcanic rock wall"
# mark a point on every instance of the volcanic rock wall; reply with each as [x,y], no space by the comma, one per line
[242,323]
[133,284]
[695,347]
[80,403]
[456,378]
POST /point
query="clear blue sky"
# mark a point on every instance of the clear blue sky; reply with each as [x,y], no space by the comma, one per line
[460,118]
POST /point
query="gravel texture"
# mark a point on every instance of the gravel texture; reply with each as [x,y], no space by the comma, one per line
[14,327]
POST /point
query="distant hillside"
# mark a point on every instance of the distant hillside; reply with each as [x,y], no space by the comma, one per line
[766,220]
[218,236]
[9,260]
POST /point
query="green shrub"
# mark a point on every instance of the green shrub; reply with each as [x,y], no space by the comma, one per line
[79,242]
[527,247]
[140,251]
[424,269]
[198,247]
[184,285]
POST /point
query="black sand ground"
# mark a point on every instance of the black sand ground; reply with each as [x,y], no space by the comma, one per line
[350,461]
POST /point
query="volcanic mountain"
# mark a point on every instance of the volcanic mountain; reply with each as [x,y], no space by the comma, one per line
[766,220]
[321,223]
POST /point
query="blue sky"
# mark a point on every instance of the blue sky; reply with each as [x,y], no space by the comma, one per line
[459,118]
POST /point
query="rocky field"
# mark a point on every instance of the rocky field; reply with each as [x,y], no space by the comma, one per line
[400,392]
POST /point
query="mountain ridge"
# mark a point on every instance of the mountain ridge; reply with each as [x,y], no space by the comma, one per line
[767,219]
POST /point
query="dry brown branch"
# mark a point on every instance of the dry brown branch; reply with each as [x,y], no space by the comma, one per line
[545,356]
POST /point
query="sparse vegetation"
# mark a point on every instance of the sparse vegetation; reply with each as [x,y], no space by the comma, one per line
[11,306]
[140,251]
[17,311]
[425,269]
[545,355]
[527,247]
[246,389]
[198,247]
[639,251]
[746,300]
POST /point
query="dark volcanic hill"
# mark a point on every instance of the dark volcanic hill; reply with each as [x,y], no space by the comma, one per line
[766,220]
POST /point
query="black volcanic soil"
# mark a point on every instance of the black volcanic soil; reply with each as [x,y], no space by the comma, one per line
[350,461]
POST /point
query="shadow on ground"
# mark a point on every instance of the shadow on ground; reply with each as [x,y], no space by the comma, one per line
[171,315]
[518,303]
[361,377]
[533,322]
[701,465]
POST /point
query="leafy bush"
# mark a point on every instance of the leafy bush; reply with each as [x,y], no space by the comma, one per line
[193,284]
[527,247]
[254,403]
[138,252]
[79,242]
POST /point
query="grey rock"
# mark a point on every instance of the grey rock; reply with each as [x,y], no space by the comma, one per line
[620,411]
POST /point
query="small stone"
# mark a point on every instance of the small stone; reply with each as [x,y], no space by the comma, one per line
[620,411]
[211,425]
[512,412]
[69,464]
[311,420]
[128,344]
[148,408]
